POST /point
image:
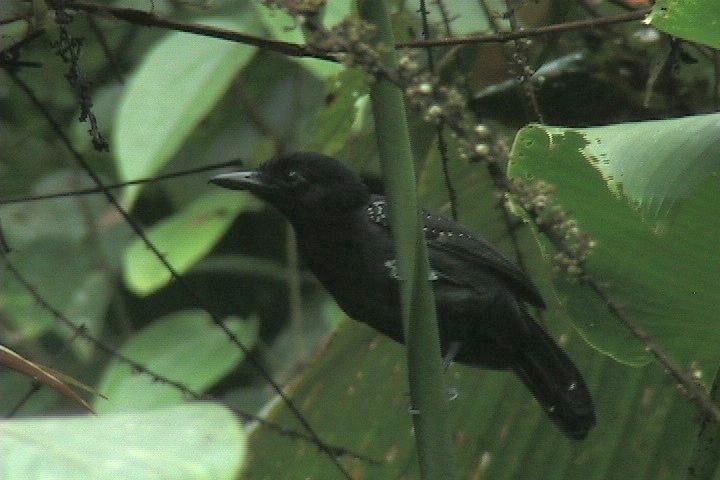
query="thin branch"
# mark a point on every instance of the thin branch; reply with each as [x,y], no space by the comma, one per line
[446,20]
[693,390]
[148,19]
[68,49]
[440,127]
[528,32]
[114,186]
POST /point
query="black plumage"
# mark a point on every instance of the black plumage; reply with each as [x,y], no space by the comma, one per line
[344,237]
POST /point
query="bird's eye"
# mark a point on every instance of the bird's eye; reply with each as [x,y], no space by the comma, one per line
[293,177]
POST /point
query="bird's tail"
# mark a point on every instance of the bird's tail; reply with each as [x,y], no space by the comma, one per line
[553,380]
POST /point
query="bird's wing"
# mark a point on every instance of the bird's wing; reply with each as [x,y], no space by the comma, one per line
[464,257]
[446,238]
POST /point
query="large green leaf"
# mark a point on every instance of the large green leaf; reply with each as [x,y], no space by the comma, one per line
[183,239]
[355,395]
[654,164]
[178,83]
[663,272]
[696,20]
[186,347]
[186,442]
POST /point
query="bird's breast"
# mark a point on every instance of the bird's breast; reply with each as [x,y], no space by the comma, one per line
[356,268]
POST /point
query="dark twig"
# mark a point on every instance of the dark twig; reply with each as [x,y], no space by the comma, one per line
[440,126]
[445,17]
[527,33]
[114,186]
[68,48]
[34,387]
[148,19]
[692,389]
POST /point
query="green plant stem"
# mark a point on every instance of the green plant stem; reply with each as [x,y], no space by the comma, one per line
[427,390]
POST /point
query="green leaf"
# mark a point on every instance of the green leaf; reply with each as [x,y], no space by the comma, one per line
[673,157]
[664,275]
[186,347]
[355,396]
[183,239]
[180,80]
[696,21]
[198,441]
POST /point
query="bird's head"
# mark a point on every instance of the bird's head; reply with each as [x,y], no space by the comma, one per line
[305,187]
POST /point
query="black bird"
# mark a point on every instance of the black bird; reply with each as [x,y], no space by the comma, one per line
[344,236]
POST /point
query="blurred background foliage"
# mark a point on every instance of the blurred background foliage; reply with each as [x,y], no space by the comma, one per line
[168,101]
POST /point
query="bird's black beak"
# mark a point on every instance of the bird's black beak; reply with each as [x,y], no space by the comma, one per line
[241,180]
